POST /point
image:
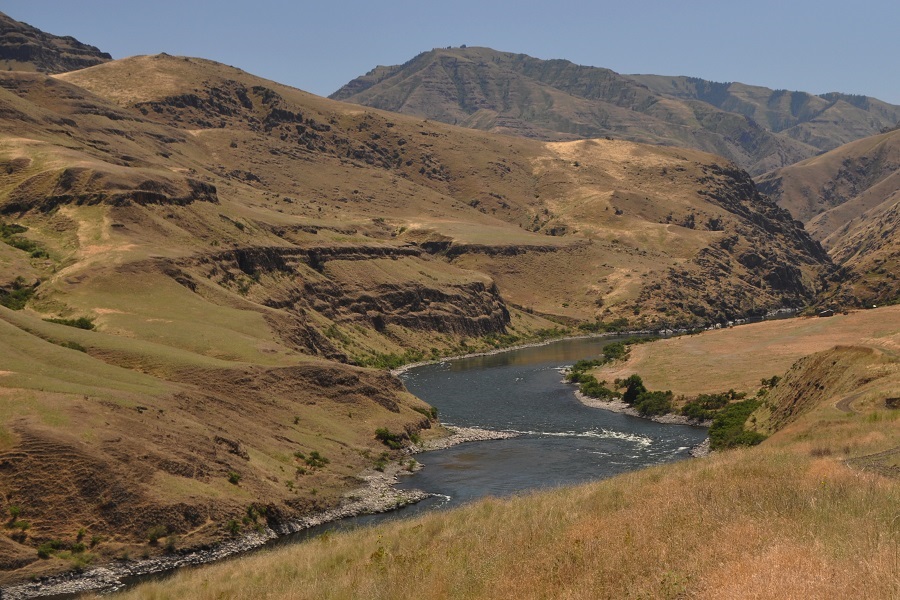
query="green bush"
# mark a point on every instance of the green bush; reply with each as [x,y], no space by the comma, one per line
[17,297]
[233,527]
[393,441]
[391,360]
[80,322]
[634,387]
[156,532]
[654,403]
[46,549]
[594,389]
[73,346]
[233,477]
[430,412]
[727,429]
[382,461]
[316,460]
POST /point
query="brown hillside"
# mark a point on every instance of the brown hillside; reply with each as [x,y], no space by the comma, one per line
[25,48]
[475,197]
[758,128]
[848,198]
[238,244]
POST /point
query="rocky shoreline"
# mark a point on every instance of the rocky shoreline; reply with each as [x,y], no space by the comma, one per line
[377,495]
[618,406]
[461,435]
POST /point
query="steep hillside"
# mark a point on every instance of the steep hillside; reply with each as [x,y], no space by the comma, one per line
[824,121]
[25,48]
[558,100]
[809,513]
[223,255]
[848,199]
[608,220]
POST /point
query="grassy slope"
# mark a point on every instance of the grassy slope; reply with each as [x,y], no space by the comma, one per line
[232,306]
[739,357]
[787,519]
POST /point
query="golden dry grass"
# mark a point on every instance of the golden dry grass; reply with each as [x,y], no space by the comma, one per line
[792,518]
[744,524]
[737,358]
[787,519]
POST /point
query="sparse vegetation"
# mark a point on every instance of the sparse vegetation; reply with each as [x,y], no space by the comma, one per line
[155,533]
[79,323]
[316,460]
[9,234]
[17,296]
[393,441]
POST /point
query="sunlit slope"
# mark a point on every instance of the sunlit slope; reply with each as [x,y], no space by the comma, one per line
[479,200]
[849,200]
[789,518]
[242,250]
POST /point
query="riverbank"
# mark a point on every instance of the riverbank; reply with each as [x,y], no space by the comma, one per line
[460,435]
[780,313]
[586,336]
[618,406]
[378,494]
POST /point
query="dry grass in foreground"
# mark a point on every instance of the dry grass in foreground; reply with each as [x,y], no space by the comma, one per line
[739,357]
[783,520]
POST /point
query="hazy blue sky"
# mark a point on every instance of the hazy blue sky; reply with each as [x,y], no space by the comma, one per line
[823,46]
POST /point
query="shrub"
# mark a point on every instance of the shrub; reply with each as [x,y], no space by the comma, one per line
[594,389]
[634,387]
[654,403]
[233,527]
[381,462]
[393,441]
[46,549]
[80,322]
[156,532]
[727,429]
[316,460]
[391,360]
[233,477]
[17,297]
[73,346]
[429,413]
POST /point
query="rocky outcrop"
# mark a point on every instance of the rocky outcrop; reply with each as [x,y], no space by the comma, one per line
[23,47]
[301,279]
[87,186]
[764,261]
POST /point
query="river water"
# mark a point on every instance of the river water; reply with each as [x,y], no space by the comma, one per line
[562,442]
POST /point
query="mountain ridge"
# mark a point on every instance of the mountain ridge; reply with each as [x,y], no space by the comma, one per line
[484,89]
[23,47]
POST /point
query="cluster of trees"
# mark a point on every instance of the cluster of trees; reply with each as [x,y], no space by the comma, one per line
[728,411]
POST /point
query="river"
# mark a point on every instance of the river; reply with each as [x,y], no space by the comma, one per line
[561,441]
